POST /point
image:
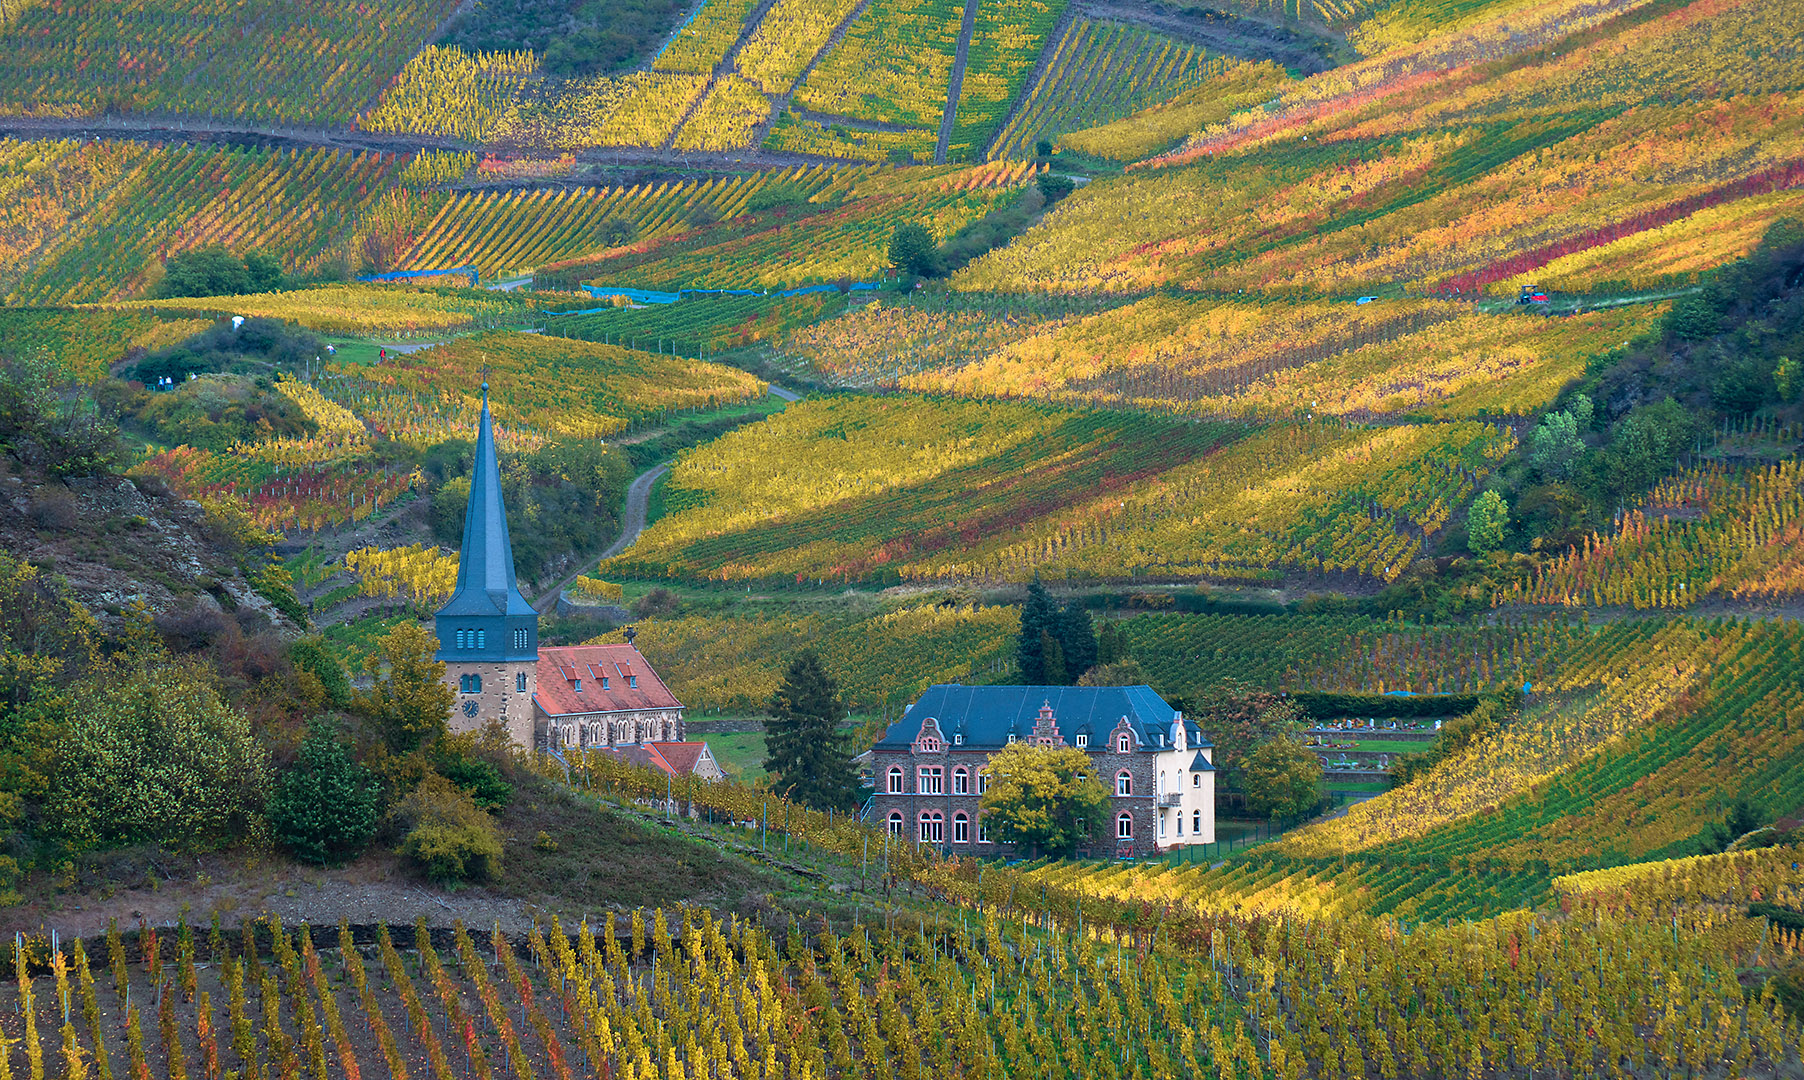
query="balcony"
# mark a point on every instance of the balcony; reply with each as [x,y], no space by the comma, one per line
[1169,798]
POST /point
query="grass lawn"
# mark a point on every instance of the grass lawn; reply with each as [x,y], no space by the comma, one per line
[740,754]
[1392,746]
[1362,786]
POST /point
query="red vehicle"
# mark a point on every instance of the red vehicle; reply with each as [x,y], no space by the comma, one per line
[1532,294]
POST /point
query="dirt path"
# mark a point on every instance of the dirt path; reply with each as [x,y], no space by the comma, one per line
[729,63]
[958,81]
[200,132]
[1294,46]
[779,103]
[638,502]
[1047,50]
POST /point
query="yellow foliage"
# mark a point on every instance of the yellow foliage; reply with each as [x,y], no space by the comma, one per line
[416,572]
[598,589]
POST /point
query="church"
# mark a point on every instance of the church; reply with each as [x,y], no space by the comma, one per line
[584,696]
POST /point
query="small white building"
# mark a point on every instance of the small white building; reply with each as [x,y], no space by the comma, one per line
[1184,798]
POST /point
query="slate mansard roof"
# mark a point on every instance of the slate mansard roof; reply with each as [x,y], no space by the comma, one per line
[987,715]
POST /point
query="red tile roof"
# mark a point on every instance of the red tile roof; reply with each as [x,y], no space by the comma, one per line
[682,756]
[670,758]
[560,667]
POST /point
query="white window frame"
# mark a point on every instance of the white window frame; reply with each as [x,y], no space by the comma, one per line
[1083,742]
[895,780]
[961,829]
[1124,744]
[1196,822]
[930,780]
[1196,780]
[961,781]
[1124,827]
[895,823]
[931,827]
[983,830]
[983,782]
[1124,783]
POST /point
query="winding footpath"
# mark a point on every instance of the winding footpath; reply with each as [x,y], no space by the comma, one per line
[632,523]
[638,503]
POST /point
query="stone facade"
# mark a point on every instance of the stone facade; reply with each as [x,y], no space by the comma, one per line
[611,728]
[503,697]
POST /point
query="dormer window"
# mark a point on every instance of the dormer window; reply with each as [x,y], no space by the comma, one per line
[1161,738]
[1011,738]
[1083,741]
[632,682]
[1124,744]
[577,685]
[604,682]
[958,739]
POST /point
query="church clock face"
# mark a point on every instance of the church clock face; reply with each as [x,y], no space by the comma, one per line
[470,708]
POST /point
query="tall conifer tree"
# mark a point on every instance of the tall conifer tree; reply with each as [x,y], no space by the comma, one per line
[805,752]
[1039,615]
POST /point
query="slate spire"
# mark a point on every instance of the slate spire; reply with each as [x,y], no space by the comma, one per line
[487,588]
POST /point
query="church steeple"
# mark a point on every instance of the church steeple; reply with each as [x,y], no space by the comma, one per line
[486,618]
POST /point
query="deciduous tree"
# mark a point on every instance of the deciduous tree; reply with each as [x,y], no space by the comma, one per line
[1043,798]
[1487,523]
[1281,777]
[410,700]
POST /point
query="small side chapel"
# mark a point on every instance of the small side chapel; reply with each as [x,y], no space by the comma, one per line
[578,696]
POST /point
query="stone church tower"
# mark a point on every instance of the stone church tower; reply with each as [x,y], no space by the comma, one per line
[488,634]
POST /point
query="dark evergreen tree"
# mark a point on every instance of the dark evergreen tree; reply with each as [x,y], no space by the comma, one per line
[913,250]
[1077,637]
[1111,644]
[1052,660]
[326,807]
[805,753]
[1039,615]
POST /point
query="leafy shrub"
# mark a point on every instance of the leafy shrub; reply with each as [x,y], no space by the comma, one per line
[314,661]
[217,271]
[152,754]
[1054,187]
[458,762]
[776,197]
[325,808]
[1281,778]
[1488,523]
[449,838]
